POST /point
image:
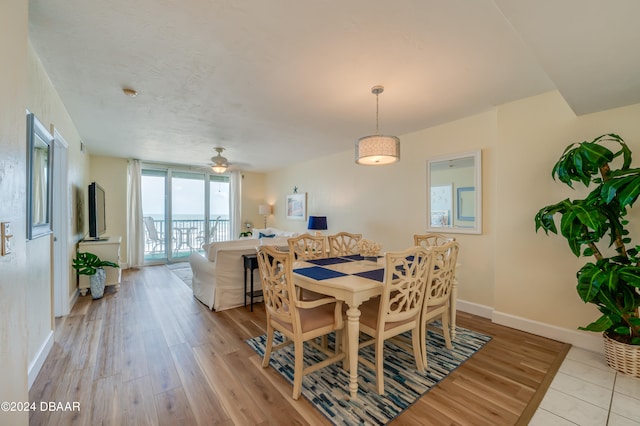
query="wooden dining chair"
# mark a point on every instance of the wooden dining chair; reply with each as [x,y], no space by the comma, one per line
[398,308]
[298,321]
[307,247]
[430,240]
[343,244]
[436,302]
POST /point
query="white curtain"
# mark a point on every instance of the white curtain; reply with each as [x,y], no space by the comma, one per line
[235,182]
[135,226]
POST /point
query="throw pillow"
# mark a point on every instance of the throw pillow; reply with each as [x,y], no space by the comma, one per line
[266,236]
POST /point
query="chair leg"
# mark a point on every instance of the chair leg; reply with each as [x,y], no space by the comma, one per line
[417,348]
[380,365]
[298,367]
[423,343]
[268,346]
[445,330]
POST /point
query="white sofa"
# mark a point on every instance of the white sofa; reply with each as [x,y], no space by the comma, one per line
[218,277]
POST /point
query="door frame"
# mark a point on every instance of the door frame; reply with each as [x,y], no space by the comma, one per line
[60,226]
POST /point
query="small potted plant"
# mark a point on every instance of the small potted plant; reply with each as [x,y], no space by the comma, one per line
[89,264]
[595,227]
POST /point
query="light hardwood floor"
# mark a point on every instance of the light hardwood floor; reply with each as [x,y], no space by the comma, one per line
[151,354]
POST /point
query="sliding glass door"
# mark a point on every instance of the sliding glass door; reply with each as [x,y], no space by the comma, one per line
[182,211]
[154,211]
[187,213]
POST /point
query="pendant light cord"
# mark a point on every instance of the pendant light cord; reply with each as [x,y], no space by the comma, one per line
[377,109]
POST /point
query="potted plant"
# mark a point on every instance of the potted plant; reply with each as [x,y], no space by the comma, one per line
[595,227]
[89,264]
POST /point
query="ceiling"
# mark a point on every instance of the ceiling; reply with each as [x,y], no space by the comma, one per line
[282,81]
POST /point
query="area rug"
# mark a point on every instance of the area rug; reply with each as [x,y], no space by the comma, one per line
[328,388]
[183,271]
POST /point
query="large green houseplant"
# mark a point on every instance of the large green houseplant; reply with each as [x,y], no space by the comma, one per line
[612,280]
[86,263]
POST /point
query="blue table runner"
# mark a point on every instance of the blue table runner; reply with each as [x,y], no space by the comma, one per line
[319,273]
[376,274]
[328,261]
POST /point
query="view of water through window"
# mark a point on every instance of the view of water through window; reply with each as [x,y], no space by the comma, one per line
[182,212]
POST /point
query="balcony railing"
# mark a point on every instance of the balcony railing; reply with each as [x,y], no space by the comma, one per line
[187,236]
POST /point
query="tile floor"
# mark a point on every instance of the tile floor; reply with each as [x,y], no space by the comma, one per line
[586,392]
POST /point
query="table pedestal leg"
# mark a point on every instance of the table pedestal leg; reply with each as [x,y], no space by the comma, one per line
[353,334]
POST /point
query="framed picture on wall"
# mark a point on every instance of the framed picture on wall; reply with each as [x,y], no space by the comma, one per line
[296,206]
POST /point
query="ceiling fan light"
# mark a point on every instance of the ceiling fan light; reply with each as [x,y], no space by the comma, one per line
[219,168]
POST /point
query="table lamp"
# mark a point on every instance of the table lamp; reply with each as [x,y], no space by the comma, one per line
[264,210]
[317,223]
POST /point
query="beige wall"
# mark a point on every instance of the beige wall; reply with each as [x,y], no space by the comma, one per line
[388,204]
[525,279]
[111,174]
[535,274]
[13,278]
[253,190]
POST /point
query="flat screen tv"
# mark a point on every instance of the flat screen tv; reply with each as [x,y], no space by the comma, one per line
[97,214]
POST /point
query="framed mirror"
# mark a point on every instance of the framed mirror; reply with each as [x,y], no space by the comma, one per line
[454,193]
[39,178]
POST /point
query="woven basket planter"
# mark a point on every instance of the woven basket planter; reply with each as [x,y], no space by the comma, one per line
[622,357]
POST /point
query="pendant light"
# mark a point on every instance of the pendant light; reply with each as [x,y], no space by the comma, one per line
[220,163]
[377,149]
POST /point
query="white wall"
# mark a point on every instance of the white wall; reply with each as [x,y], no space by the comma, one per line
[26,320]
[44,102]
[525,280]
[13,290]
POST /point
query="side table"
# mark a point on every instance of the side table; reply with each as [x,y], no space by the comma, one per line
[250,264]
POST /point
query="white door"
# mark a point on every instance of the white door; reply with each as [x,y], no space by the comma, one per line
[60,223]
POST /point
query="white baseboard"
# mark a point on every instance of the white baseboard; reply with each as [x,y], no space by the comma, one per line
[582,339]
[474,309]
[74,299]
[36,364]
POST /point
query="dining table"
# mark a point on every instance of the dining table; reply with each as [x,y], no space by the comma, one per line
[353,279]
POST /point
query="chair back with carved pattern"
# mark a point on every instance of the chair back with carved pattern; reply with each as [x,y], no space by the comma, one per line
[307,247]
[430,240]
[343,244]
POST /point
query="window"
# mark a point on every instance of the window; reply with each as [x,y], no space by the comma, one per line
[182,211]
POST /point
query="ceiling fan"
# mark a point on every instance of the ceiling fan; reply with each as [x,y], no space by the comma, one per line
[219,163]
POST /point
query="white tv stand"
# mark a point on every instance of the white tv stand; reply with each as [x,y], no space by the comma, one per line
[106,248]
